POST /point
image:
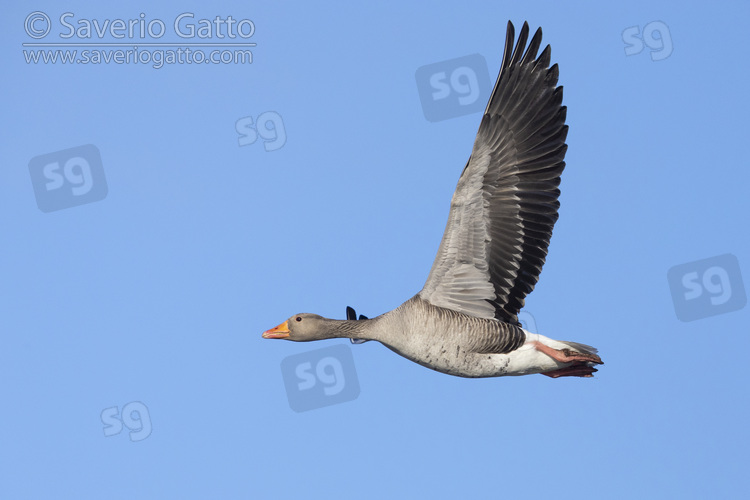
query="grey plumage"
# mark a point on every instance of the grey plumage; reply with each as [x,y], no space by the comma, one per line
[464,321]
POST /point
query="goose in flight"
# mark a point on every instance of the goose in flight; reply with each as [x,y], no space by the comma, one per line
[464,321]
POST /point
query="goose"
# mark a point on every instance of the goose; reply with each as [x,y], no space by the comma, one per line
[464,321]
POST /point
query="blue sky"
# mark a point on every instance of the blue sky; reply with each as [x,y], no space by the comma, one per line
[148,298]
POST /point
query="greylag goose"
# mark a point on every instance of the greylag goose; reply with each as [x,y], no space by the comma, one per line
[464,321]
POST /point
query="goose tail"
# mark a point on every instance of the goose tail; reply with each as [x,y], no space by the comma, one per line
[582,348]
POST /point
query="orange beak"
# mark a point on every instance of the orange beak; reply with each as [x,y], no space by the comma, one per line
[279,332]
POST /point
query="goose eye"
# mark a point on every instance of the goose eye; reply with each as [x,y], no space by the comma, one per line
[298,318]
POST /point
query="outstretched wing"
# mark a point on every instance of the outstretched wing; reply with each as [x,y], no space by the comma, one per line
[506,201]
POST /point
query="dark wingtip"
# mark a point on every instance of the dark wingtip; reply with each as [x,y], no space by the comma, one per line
[523,36]
[533,48]
[350,314]
[545,57]
[510,37]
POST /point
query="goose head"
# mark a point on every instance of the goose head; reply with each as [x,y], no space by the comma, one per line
[304,327]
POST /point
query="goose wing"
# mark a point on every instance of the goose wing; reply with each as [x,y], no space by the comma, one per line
[506,201]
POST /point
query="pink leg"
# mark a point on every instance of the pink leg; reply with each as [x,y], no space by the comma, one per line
[581,366]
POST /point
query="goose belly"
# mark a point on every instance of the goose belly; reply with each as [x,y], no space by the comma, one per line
[453,358]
